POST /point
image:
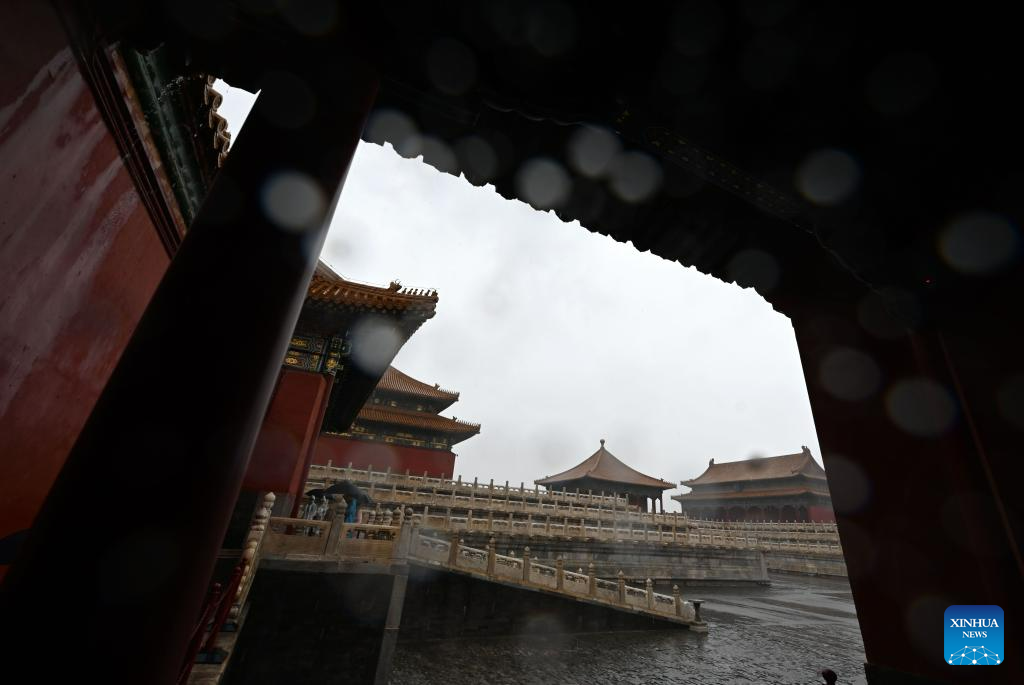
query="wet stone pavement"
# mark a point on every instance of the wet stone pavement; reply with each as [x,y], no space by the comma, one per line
[784,633]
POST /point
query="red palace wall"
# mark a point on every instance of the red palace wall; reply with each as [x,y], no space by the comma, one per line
[821,514]
[285,444]
[363,454]
[79,257]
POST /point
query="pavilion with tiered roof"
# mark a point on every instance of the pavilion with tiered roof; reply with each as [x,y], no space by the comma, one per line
[603,472]
[790,487]
[399,428]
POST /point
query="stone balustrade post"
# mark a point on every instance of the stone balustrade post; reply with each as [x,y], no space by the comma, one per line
[490,557]
[559,573]
[388,515]
[592,580]
[469,520]
[250,551]
[529,525]
[696,611]
[453,550]
[490,521]
[547,526]
[621,579]
[334,533]
[677,600]
[405,534]
[526,564]
[649,587]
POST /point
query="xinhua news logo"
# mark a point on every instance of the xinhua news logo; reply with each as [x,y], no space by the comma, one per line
[974,635]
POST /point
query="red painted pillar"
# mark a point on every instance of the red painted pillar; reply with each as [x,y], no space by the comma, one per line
[117,564]
[919,460]
[280,459]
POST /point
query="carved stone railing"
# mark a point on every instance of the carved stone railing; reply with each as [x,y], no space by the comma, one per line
[453,505]
[454,554]
[208,652]
[368,476]
[302,539]
[252,552]
[293,538]
[563,529]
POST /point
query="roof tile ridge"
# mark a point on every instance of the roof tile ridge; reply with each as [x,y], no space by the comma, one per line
[402,411]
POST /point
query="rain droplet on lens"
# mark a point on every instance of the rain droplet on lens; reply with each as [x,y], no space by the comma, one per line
[592,150]
[293,201]
[828,177]
[921,407]
[979,243]
[543,183]
[635,176]
[849,374]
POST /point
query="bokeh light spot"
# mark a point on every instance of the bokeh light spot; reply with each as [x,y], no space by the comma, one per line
[592,150]
[543,183]
[293,201]
[978,243]
[397,128]
[477,159]
[921,407]
[849,374]
[852,491]
[437,154]
[635,176]
[375,342]
[828,177]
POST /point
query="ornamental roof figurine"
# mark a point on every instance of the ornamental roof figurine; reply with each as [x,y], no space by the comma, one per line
[334,295]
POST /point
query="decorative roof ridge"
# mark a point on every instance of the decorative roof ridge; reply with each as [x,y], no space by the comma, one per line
[213,99]
[763,469]
[399,382]
[585,469]
[326,285]
[412,412]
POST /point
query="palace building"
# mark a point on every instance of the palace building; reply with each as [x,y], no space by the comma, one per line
[334,362]
[603,472]
[791,487]
[152,281]
[399,428]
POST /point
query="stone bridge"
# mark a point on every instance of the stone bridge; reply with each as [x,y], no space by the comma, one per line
[329,598]
[334,546]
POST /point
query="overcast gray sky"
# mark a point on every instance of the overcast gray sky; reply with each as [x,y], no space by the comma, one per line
[557,337]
